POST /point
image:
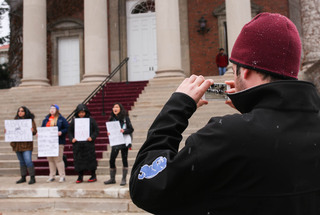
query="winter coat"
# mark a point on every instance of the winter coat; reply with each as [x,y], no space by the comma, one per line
[222,60]
[84,153]
[126,125]
[265,161]
[62,125]
[24,146]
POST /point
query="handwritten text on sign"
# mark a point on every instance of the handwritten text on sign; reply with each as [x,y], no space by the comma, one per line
[18,130]
[48,142]
[81,129]
[115,137]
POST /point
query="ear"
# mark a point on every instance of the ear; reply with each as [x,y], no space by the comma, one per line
[246,73]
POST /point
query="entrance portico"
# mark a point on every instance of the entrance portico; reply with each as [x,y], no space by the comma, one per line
[94,58]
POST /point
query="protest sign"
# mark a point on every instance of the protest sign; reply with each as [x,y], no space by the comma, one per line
[48,142]
[127,139]
[115,137]
[18,130]
[81,129]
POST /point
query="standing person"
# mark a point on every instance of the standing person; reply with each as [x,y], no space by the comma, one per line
[54,118]
[24,149]
[262,161]
[84,152]
[118,113]
[222,61]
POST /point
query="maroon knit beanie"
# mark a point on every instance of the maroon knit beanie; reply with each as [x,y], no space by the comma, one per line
[269,43]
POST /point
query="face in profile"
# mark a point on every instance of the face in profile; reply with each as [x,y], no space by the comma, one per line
[116,109]
[239,83]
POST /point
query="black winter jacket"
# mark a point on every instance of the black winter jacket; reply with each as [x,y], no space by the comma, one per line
[265,161]
[84,153]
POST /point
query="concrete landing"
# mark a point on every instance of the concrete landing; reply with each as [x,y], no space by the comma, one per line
[65,198]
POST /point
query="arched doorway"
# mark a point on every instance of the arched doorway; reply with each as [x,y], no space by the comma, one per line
[141,37]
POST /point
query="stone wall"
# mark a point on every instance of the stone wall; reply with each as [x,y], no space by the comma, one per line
[313,75]
[310,16]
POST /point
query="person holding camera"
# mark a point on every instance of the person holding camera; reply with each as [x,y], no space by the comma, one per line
[263,160]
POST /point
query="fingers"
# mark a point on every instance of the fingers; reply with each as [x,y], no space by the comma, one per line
[230,83]
[201,103]
[192,78]
[229,102]
[230,91]
[195,86]
[231,87]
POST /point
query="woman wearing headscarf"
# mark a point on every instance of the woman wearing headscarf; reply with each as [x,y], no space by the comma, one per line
[84,154]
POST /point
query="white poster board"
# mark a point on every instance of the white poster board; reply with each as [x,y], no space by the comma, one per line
[115,137]
[18,130]
[81,129]
[127,139]
[48,142]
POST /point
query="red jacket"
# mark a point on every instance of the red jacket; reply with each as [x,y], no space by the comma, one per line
[222,60]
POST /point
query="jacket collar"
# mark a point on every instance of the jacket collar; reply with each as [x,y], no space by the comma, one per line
[281,95]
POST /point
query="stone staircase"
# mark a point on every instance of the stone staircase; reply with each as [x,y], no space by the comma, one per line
[96,198]
[157,93]
[126,94]
[38,100]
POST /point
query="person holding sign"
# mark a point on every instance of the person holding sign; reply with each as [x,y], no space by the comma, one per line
[119,114]
[83,131]
[54,118]
[24,149]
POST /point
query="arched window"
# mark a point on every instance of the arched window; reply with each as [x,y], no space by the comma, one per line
[144,7]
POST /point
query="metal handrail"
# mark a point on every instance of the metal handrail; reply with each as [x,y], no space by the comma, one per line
[101,86]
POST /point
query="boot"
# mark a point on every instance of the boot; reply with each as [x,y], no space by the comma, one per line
[93,177]
[32,173]
[124,176]
[80,177]
[112,179]
[23,172]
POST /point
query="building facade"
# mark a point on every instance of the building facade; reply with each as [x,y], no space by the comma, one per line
[67,42]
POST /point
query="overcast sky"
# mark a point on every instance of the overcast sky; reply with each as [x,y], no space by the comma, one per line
[4,23]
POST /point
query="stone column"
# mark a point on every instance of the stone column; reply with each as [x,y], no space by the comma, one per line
[168,39]
[34,44]
[95,41]
[310,18]
[238,14]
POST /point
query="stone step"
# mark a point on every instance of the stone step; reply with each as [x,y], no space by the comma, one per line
[87,205]
[68,196]
[69,212]
[104,162]
[101,170]
[12,156]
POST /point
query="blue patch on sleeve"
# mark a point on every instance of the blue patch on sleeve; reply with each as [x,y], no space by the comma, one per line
[154,169]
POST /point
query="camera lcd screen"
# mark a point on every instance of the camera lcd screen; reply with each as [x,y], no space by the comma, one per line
[217,92]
